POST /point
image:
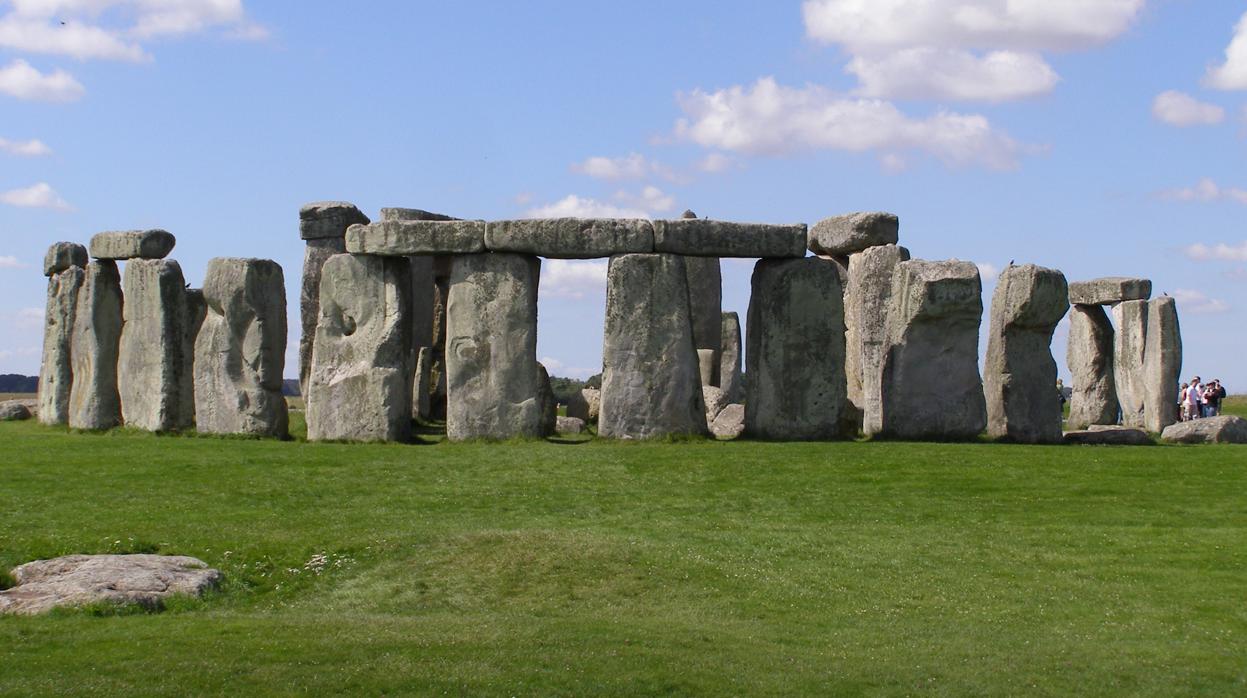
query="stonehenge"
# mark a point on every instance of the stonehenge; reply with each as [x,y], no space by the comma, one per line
[322,226]
[56,368]
[705,292]
[1129,345]
[94,402]
[1089,357]
[841,236]
[153,368]
[730,378]
[1162,364]
[865,314]
[132,244]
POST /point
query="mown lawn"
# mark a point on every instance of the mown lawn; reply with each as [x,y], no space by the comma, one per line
[730,568]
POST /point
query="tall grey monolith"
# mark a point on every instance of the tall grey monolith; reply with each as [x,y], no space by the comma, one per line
[1019,376]
[94,402]
[650,380]
[493,380]
[359,388]
[196,312]
[240,352]
[730,381]
[705,291]
[1162,364]
[1129,345]
[56,376]
[153,365]
[420,387]
[929,377]
[795,351]
[1089,357]
[865,319]
[322,225]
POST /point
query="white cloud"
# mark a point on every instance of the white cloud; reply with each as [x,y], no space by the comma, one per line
[72,39]
[560,368]
[941,73]
[1180,109]
[1197,302]
[771,119]
[1202,252]
[31,148]
[988,272]
[714,163]
[1232,73]
[10,262]
[19,79]
[651,198]
[631,166]
[1205,190]
[567,278]
[39,195]
[572,206]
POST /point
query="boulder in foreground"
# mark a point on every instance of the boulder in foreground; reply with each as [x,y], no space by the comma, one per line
[1226,429]
[76,580]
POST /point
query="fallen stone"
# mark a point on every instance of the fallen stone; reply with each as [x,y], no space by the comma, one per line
[77,580]
[651,385]
[1109,436]
[1226,429]
[323,225]
[569,425]
[360,381]
[571,238]
[730,379]
[795,351]
[63,255]
[730,423]
[493,381]
[14,411]
[94,402]
[1109,290]
[702,237]
[705,293]
[708,366]
[328,219]
[1089,357]
[843,235]
[56,373]
[715,400]
[1129,347]
[1162,364]
[584,404]
[153,368]
[930,383]
[865,318]
[404,238]
[132,244]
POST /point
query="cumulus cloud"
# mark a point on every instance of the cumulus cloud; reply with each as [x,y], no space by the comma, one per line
[21,80]
[572,206]
[938,73]
[631,166]
[39,195]
[560,368]
[651,198]
[1197,302]
[75,40]
[1202,252]
[568,278]
[10,262]
[772,119]
[31,148]
[1205,190]
[1231,74]
[1180,109]
[714,163]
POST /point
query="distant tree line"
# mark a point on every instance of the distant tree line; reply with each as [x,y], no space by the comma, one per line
[16,383]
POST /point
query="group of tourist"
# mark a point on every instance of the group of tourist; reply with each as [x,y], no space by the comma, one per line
[1198,399]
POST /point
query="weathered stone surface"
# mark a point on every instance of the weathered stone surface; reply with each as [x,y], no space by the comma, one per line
[1109,290]
[329,219]
[730,380]
[421,383]
[569,425]
[702,237]
[132,244]
[1109,436]
[360,383]
[14,411]
[715,401]
[412,214]
[843,235]
[1020,374]
[94,402]
[314,256]
[240,351]
[708,366]
[549,403]
[730,423]
[584,404]
[1226,429]
[1162,364]
[153,366]
[571,238]
[76,580]
[437,382]
[929,377]
[1089,357]
[196,313]
[56,373]
[63,255]
[493,381]
[403,238]
[1129,346]
[651,385]
[795,351]
[865,319]
[705,292]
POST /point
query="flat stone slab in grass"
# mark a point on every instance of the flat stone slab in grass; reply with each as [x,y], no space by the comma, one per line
[1110,289]
[76,580]
[1226,429]
[571,238]
[132,244]
[701,237]
[14,411]
[840,236]
[395,238]
[63,255]
[1109,435]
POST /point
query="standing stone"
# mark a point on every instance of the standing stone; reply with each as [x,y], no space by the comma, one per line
[359,388]
[493,381]
[437,381]
[153,365]
[1089,358]
[795,351]
[865,319]
[94,402]
[651,385]
[708,366]
[585,404]
[420,384]
[929,378]
[1129,344]
[56,374]
[196,313]
[1162,364]
[1020,373]
[549,403]
[323,226]
[705,292]
[240,353]
[730,360]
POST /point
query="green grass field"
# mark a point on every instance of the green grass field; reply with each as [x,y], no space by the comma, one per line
[546,568]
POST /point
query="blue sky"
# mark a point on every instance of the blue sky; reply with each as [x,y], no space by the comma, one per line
[1099,137]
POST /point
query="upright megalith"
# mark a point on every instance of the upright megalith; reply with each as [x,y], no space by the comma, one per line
[240,352]
[865,318]
[94,402]
[196,313]
[153,367]
[1129,345]
[359,386]
[730,379]
[1020,374]
[705,292]
[132,244]
[1089,357]
[929,377]
[322,225]
[56,377]
[650,381]
[795,351]
[420,385]
[494,387]
[1162,364]
[840,236]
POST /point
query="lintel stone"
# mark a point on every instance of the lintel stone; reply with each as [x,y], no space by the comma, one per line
[571,238]
[402,238]
[132,244]
[702,237]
